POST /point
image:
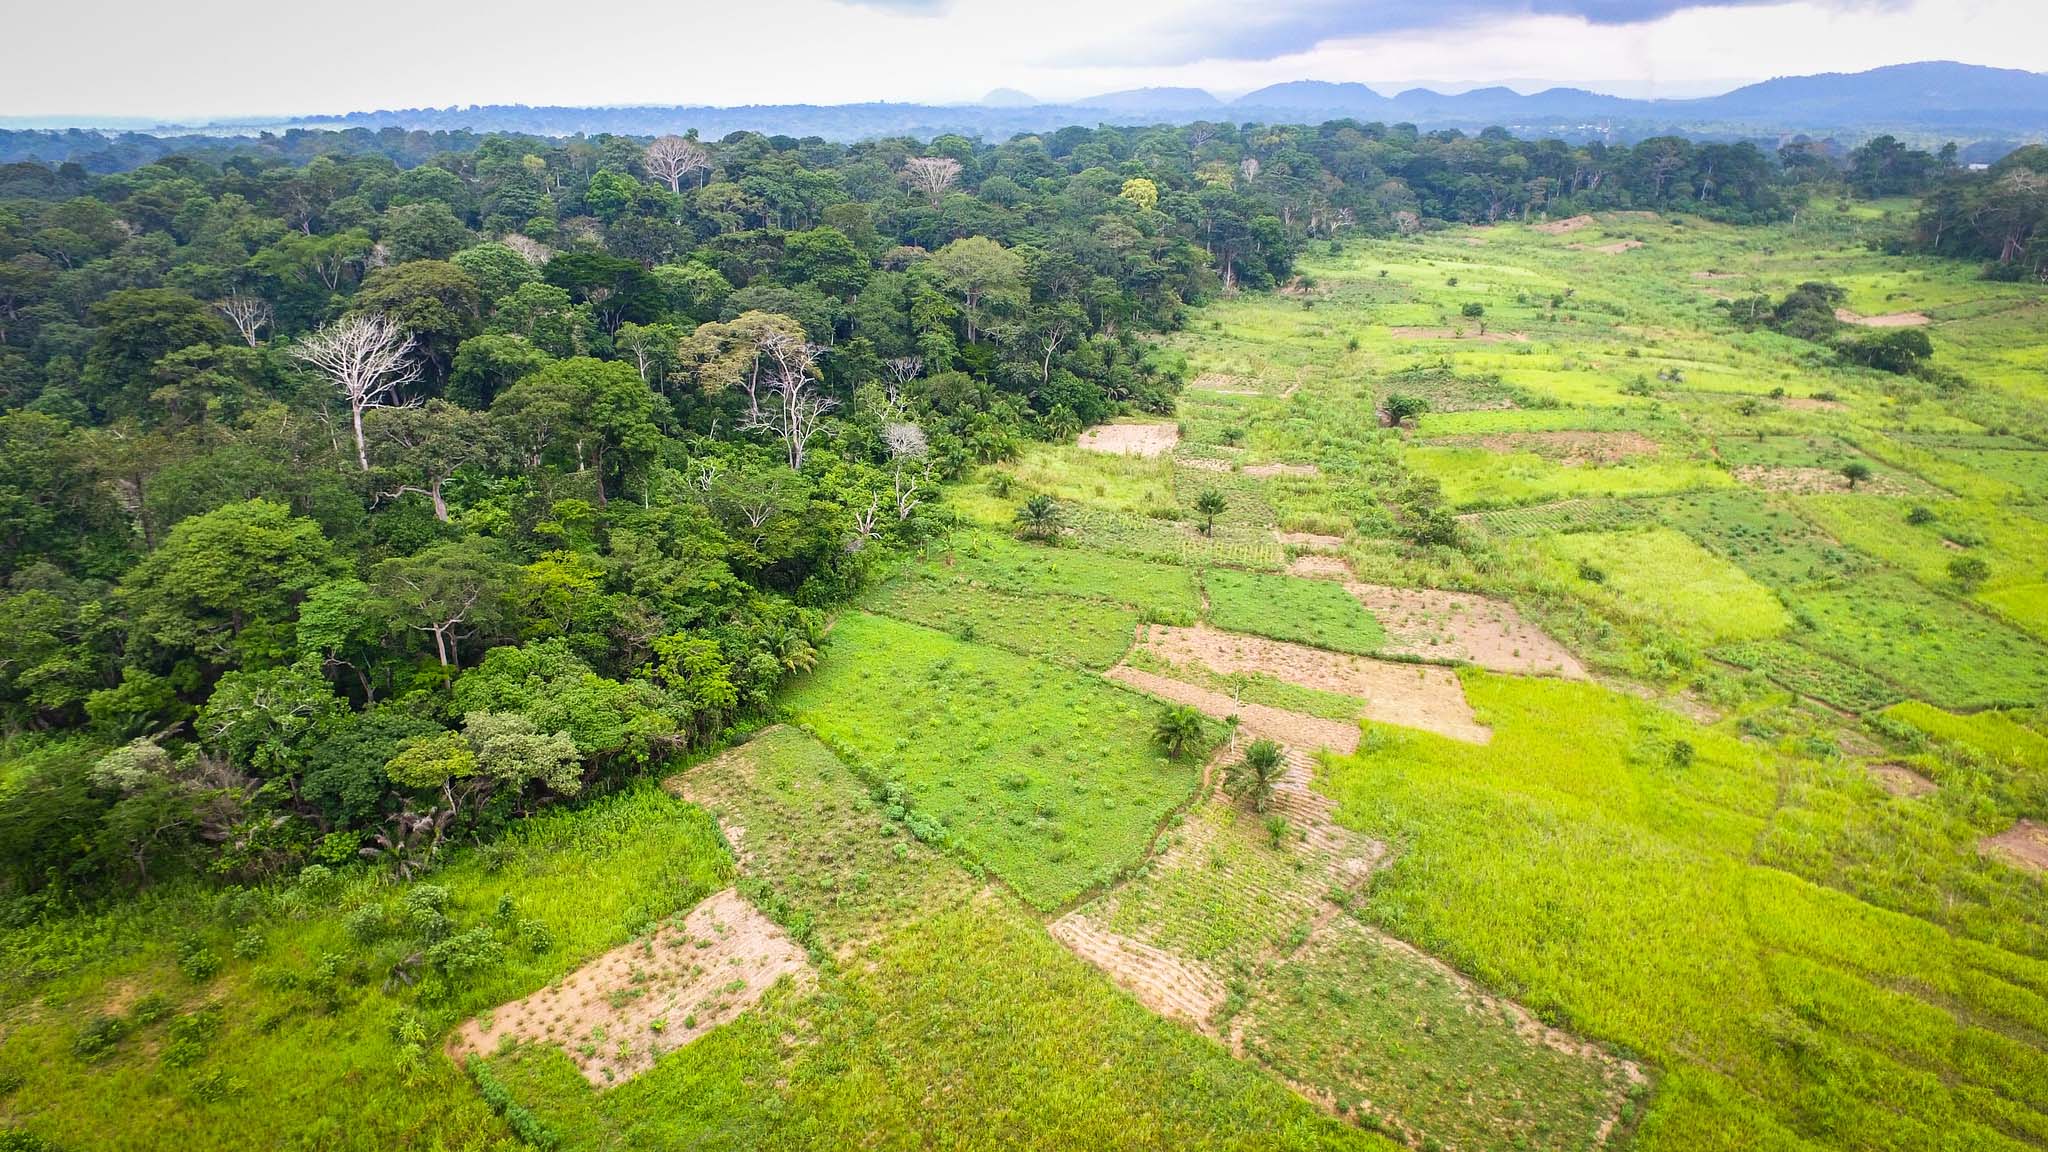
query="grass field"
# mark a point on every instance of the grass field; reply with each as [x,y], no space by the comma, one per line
[1045,776]
[1748,854]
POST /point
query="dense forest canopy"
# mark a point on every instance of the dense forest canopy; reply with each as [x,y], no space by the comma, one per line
[366,490]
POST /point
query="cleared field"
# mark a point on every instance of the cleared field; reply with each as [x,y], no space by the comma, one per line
[1661,573]
[1044,775]
[1314,612]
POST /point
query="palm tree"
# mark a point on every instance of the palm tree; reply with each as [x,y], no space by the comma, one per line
[1253,776]
[1178,730]
[1039,518]
[1211,505]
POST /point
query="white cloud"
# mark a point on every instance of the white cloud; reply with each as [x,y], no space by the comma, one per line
[217,57]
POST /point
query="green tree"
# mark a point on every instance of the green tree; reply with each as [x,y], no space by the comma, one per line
[1210,504]
[224,586]
[1253,776]
[419,448]
[1969,572]
[434,300]
[1178,730]
[982,274]
[1039,518]
[1855,472]
[133,330]
[452,591]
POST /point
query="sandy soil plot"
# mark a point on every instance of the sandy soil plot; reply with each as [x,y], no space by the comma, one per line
[1408,332]
[1812,404]
[1309,540]
[1569,447]
[1614,249]
[689,979]
[1173,986]
[1811,480]
[1461,626]
[1414,695]
[1131,439]
[1319,567]
[1900,780]
[1888,320]
[1560,227]
[2024,845]
[1255,720]
[1266,471]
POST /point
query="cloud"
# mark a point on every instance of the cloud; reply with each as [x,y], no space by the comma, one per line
[1235,31]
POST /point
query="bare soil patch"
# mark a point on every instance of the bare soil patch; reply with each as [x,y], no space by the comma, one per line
[1309,540]
[1317,566]
[1560,227]
[1131,439]
[1811,480]
[1267,471]
[1900,780]
[1413,695]
[1614,249]
[1254,720]
[616,1014]
[1812,404]
[1173,986]
[2024,845]
[1408,332]
[1461,626]
[1888,320]
[1570,448]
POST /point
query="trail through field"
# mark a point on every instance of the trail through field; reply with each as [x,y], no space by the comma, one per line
[1256,720]
[1413,695]
[2024,845]
[616,1014]
[1887,320]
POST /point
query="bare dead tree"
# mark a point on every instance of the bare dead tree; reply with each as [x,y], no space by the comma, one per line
[673,158]
[931,175]
[530,250]
[793,409]
[249,314]
[368,356]
[911,454]
[864,525]
[902,370]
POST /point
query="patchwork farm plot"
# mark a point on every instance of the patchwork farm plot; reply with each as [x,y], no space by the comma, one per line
[1580,723]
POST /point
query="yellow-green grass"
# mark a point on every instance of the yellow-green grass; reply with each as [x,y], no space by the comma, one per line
[1315,612]
[1660,573]
[1085,573]
[1138,484]
[969,1029]
[1581,863]
[1046,776]
[301,1039]
[1063,629]
[1478,478]
[2011,544]
[1941,651]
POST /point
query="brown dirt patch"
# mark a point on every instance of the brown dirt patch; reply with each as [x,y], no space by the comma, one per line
[1812,480]
[1888,320]
[1254,720]
[691,977]
[1173,986]
[1571,448]
[1413,695]
[1267,471]
[1407,332]
[1317,566]
[2024,845]
[1900,780]
[1614,249]
[1812,404]
[1309,540]
[1461,626]
[1131,439]
[1560,227]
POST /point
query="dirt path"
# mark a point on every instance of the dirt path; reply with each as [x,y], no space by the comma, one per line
[1255,720]
[1413,695]
[1176,988]
[1888,320]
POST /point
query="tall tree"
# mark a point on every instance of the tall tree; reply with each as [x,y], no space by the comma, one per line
[369,358]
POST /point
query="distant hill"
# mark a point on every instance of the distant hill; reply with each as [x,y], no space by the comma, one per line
[1991,108]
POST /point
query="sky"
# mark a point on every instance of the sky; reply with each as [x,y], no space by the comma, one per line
[191,60]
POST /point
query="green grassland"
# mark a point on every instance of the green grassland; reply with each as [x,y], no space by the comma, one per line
[1315,612]
[1043,775]
[1687,861]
